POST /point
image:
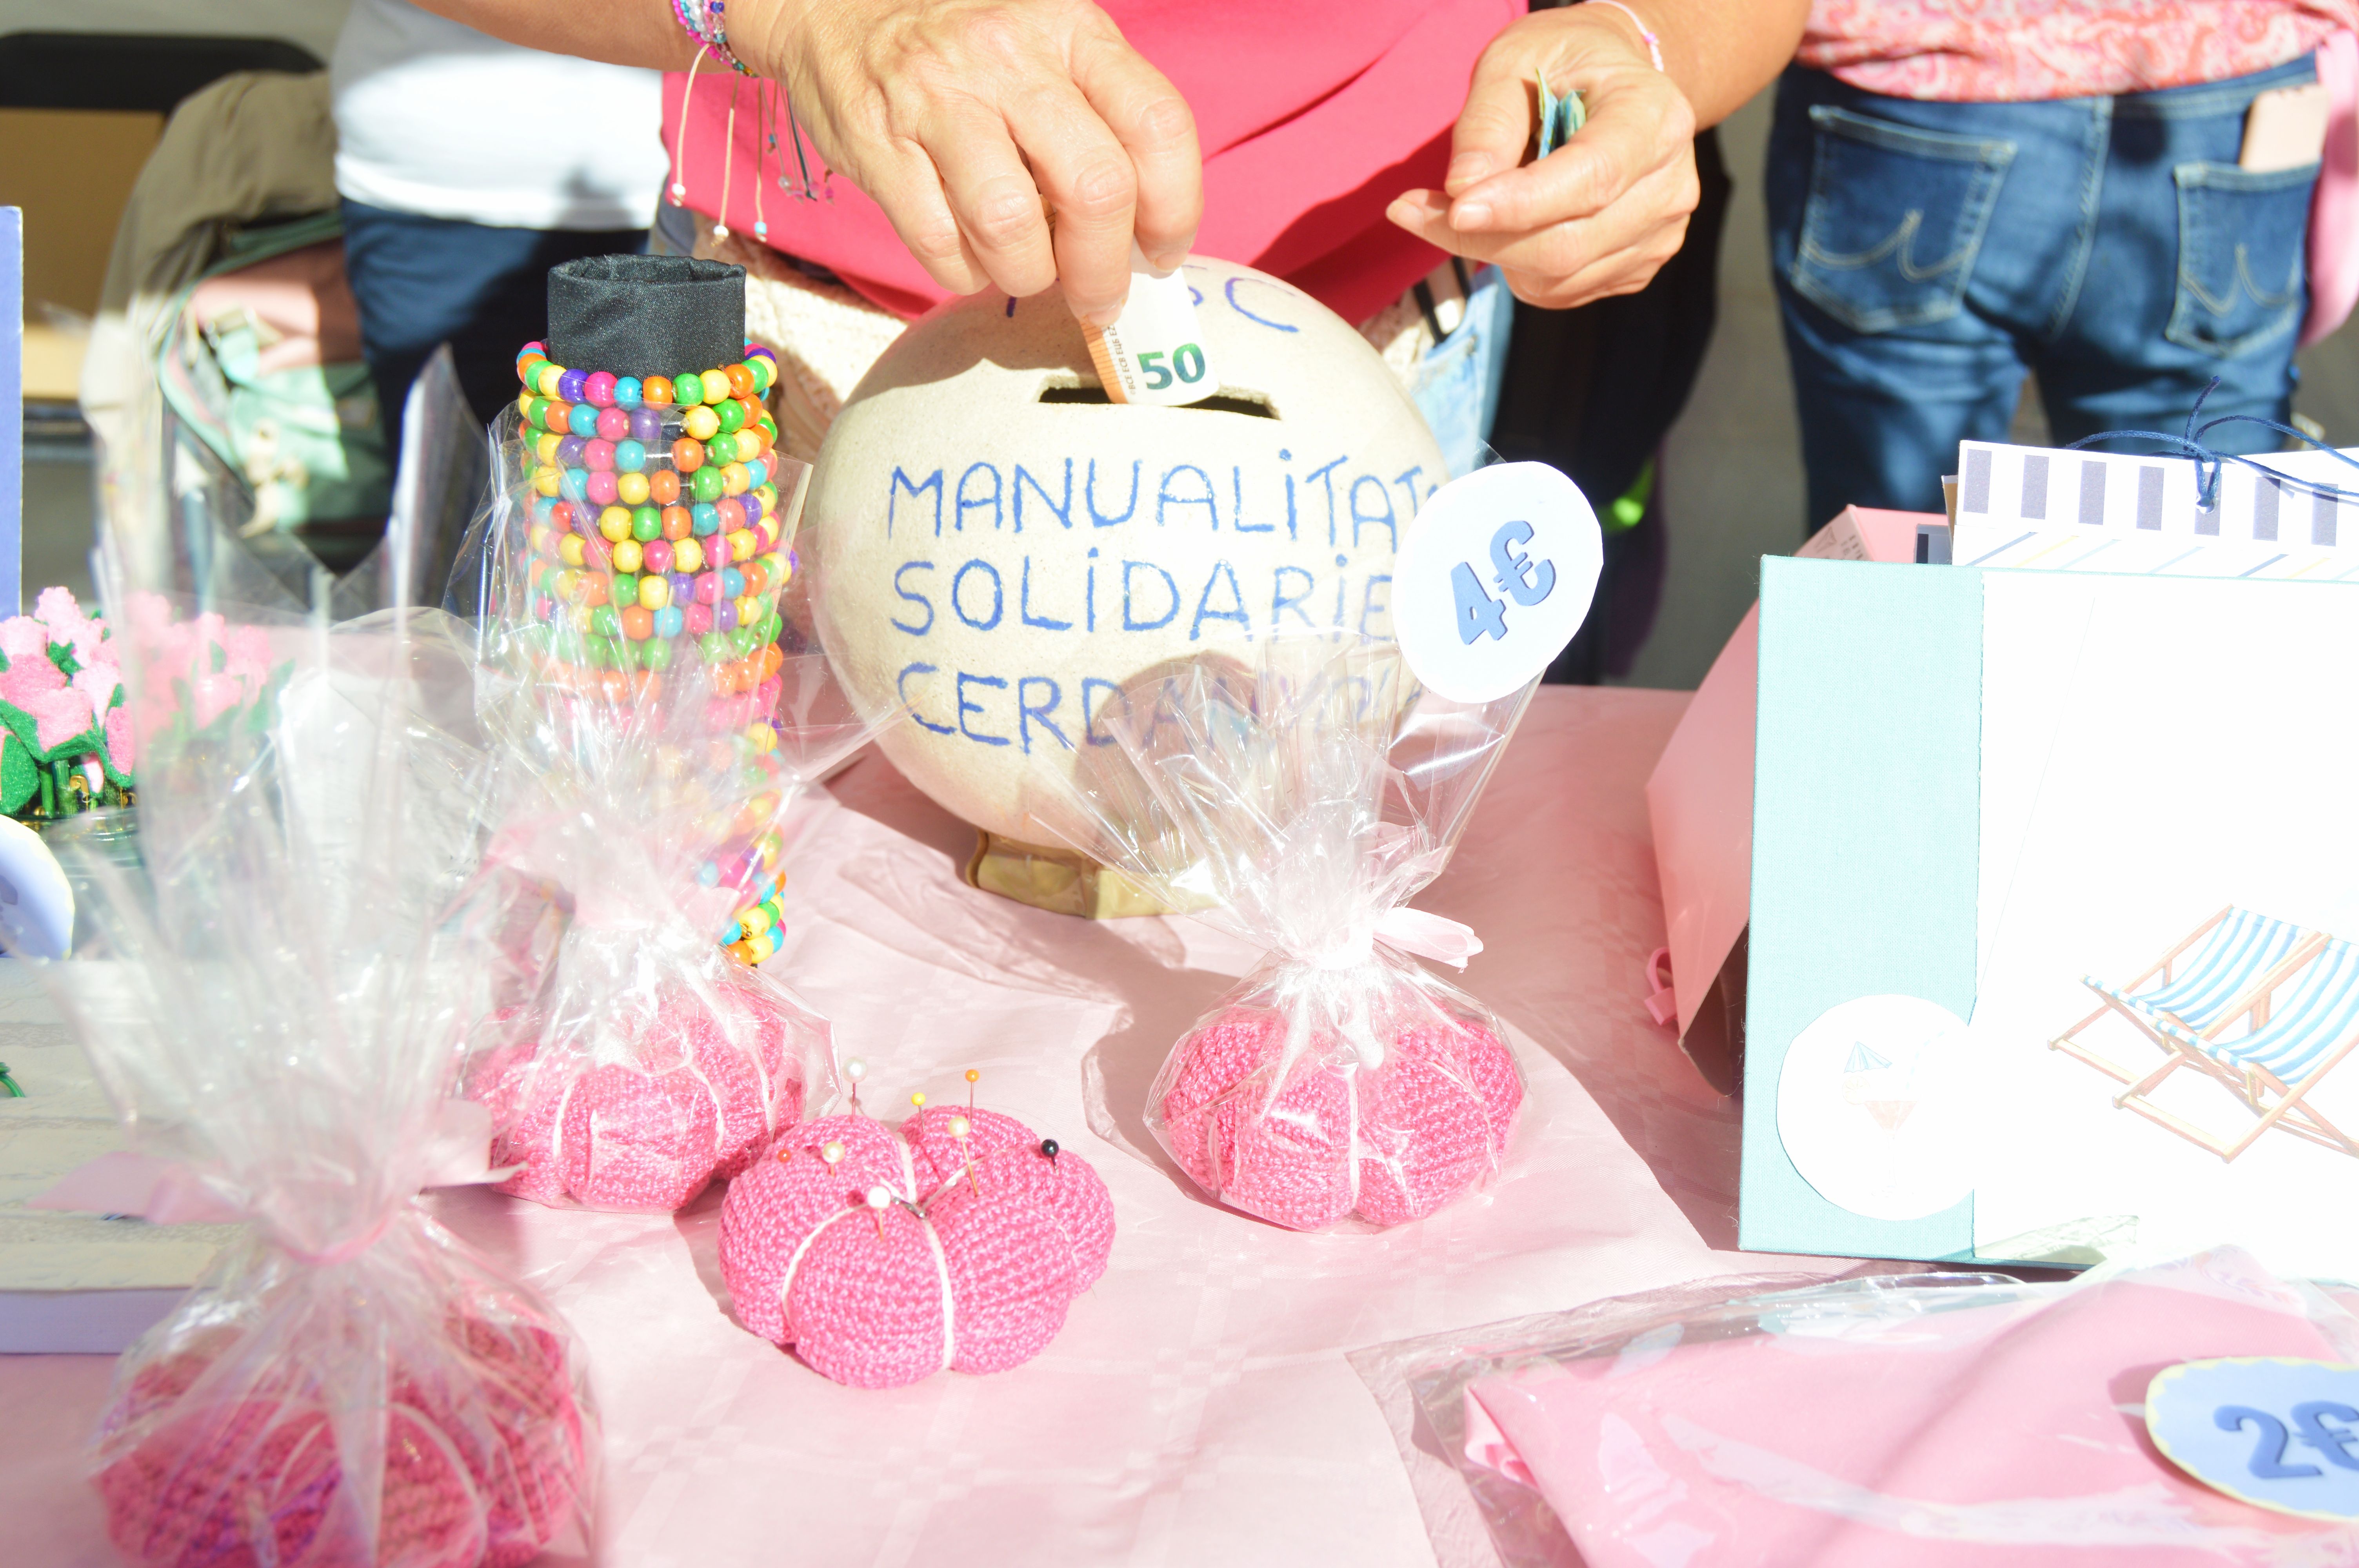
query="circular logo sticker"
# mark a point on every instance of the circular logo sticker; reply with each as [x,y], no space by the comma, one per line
[1873,1107]
[1492,579]
[2272,1431]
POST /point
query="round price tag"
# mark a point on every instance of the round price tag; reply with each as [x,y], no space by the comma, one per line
[2274,1432]
[1493,578]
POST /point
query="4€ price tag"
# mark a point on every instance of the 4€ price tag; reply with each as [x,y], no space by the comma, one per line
[1493,578]
[2276,1432]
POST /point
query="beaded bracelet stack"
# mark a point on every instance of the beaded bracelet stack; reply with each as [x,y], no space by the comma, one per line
[707,21]
[653,534]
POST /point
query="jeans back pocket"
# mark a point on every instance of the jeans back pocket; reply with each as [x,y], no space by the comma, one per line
[1894,217]
[2241,239]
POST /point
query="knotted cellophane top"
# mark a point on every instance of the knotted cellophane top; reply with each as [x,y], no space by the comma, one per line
[1298,794]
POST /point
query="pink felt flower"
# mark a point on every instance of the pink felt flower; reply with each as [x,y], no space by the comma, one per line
[175,673]
[56,606]
[90,644]
[27,640]
[38,688]
[58,717]
[213,696]
[122,744]
[97,681]
[57,610]
[151,617]
[247,657]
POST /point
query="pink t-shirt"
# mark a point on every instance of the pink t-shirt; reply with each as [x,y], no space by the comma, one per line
[1312,116]
[1989,51]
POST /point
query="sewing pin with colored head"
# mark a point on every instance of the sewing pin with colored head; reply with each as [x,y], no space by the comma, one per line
[960,1127]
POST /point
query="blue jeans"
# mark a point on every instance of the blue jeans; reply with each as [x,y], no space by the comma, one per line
[1926,254]
[422,282]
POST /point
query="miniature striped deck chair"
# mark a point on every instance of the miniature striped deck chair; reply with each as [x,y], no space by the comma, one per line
[2274,1065]
[2235,953]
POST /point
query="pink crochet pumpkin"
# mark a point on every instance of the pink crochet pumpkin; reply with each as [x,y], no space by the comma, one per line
[1297,794]
[883,1257]
[214,1460]
[657,1107]
[1306,1144]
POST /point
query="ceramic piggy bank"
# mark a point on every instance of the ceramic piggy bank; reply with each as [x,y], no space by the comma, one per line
[1000,547]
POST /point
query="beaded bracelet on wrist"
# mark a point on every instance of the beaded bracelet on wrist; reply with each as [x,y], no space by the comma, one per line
[707,21]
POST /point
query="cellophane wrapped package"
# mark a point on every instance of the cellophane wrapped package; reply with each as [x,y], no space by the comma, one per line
[1926,1418]
[282,1016]
[1299,798]
[654,729]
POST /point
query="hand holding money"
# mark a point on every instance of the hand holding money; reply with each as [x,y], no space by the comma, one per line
[1599,214]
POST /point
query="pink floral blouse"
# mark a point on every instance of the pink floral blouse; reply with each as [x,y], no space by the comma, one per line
[1981,51]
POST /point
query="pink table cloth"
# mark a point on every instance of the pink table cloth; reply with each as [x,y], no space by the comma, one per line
[1197,1408]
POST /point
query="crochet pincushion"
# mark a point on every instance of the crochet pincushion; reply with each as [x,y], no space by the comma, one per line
[882,1256]
[1307,1144]
[695,1088]
[486,1458]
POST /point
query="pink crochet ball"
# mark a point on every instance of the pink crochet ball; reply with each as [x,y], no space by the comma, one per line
[1387,1143]
[699,1091]
[485,1467]
[881,1258]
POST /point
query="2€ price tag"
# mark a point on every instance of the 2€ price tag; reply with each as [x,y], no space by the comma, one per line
[1154,352]
[1493,578]
[2274,1432]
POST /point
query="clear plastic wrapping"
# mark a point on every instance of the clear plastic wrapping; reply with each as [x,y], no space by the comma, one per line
[279,1007]
[647,762]
[1924,1418]
[1300,796]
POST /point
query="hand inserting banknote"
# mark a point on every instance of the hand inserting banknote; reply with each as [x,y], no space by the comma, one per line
[1153,351]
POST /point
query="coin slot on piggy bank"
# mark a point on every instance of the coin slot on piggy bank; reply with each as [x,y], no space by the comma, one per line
[1228,400]
[995,544]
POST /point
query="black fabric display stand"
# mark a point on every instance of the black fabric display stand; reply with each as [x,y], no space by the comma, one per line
[643,316]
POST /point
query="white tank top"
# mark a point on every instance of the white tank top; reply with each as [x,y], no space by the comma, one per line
[435,118]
